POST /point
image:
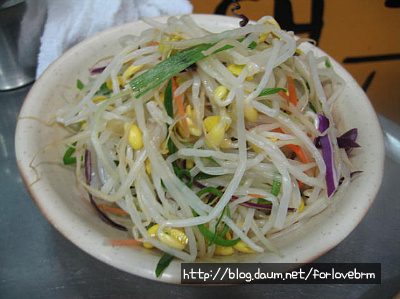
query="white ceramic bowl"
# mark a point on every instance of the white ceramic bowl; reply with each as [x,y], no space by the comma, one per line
[58,197]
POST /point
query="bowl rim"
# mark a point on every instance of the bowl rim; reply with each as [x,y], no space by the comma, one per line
[41,202]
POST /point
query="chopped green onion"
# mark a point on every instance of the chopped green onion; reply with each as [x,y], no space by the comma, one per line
[203,176]
[168,68]
[252,45]
[185,172]
[209,190]
[263,201]
[67,159]
[79,84]
[168,99]
[308,86]
[212,160]
[217,239]
[269,91]
[104,90]
[328,63]
[163,263]
[216,226]
[226,47]
[226,228]
[276,187]
[312,107]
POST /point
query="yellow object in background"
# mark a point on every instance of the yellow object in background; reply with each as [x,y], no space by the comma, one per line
[362,35]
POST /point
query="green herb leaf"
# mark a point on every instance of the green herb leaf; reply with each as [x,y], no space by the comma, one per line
[79,84]
[269,91]
[163,263]
[67,159]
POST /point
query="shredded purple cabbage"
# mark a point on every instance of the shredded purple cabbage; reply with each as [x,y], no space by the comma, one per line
[263,207]
[103,216]
[327,155]
[347,140]
[97,70]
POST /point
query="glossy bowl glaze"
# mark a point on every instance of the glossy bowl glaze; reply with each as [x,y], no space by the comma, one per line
[57,195]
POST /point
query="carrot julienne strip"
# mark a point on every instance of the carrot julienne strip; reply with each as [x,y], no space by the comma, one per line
[112,210]
[256,195]
[124,242]
[181,108]
[292,91]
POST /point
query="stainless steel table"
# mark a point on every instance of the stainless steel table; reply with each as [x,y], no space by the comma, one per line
[38,262]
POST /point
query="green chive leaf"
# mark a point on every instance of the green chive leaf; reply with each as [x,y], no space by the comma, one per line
[163,263]
[211,190]
[67,159]
[203,176]
[269,91]
[168,104]
[312,107]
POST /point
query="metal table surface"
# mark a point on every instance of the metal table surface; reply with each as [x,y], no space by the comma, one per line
[36,261]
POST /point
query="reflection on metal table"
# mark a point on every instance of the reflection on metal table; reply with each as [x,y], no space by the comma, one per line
[38,262]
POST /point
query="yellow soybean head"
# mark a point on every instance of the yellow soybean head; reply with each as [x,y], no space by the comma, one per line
[174,238]
[243,247]
[135,137]
[211,121]
[189,164]
[256,148]
[235,69]
[151,232]
[164,149]
[147,164]
[301,206]
[130,71]
[271,21]
[98,99]
[121,82]
[216,136]
[223,250]
[220,94]
[250,113]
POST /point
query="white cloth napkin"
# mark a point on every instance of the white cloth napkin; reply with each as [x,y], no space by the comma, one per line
[70,21]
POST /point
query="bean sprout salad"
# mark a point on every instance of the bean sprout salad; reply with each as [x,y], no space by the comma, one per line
[203,144]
